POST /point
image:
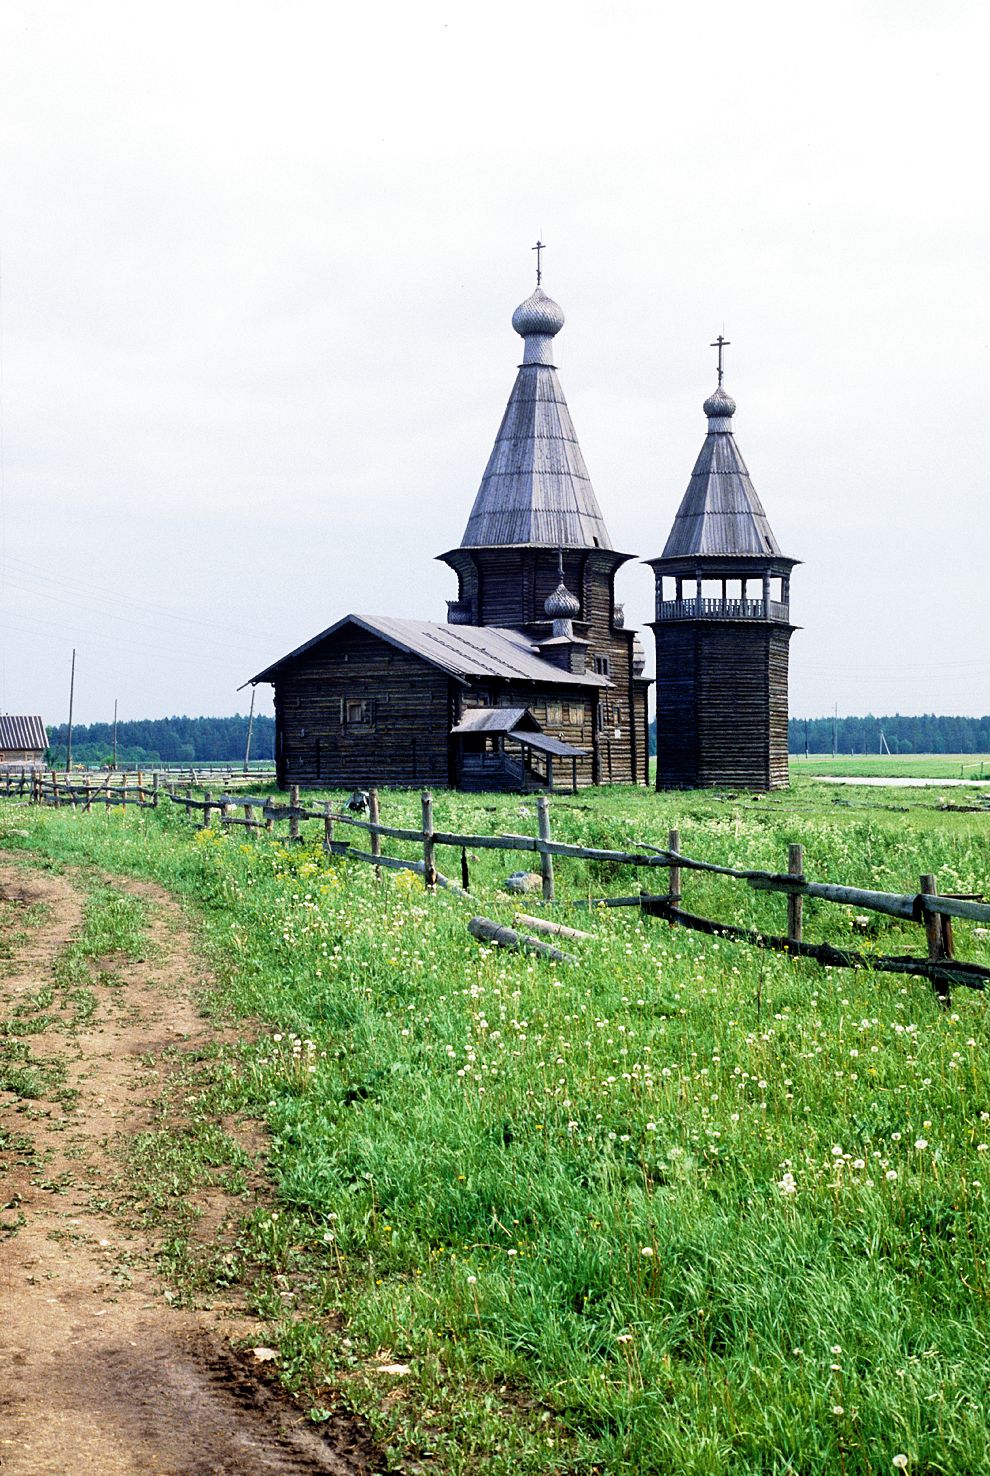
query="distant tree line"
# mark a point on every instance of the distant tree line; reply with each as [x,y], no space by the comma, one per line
[928,733]
[149,741]
[925,734]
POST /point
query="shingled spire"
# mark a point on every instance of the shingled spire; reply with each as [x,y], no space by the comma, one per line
[536,489]
[720,514]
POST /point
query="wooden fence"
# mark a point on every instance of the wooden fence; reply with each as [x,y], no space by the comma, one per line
[925,907]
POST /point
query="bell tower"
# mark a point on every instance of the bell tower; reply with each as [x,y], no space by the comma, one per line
[722,626]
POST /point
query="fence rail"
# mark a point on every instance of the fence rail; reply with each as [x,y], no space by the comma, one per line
[924,907]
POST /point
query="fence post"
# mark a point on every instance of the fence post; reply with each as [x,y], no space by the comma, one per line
[935,924]
[207,810]
[429,850]
[674,886]
[327,826]
[546,860]
[374,815]
[294,819]
[225,813]
[155,781]
[795,901]
[88,797]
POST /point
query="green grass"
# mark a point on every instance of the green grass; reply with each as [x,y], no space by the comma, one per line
[892,766]
[563,1196]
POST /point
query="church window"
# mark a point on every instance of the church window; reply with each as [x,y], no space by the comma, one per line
[555,713]
[602,666]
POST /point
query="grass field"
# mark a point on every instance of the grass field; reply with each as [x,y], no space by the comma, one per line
[682,1208]
[894,766]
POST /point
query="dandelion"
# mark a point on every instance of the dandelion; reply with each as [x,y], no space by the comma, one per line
[835,1349]
[837,1409]
[859,1163]
[512,1252]
[890,1175]
[836,1150]
[921,1144]
[981,1147]
[899,1462]
[472,1281]
[647,1250]
[787,1185]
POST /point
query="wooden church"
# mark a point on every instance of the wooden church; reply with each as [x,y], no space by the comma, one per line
[532,682]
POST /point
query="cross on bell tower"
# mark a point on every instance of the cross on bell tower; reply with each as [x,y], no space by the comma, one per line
[539,248]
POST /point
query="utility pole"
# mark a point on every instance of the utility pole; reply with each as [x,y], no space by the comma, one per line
[806,737]
[72,693]
[247,746]
[835,725]
[113,763]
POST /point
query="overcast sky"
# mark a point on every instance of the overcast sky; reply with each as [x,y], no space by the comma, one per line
[259,261]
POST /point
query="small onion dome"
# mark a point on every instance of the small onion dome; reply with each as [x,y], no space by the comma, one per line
[719,405]
[538,314]
[638,657]
[562,605]
[619,617]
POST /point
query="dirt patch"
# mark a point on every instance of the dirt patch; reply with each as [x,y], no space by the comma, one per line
[97,1372]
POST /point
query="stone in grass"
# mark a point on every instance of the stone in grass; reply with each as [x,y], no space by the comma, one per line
[523,881]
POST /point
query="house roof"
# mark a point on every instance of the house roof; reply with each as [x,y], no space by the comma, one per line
[536,488]
[546,743]
[22,732]
[491,720]
[720,514]
[462,651]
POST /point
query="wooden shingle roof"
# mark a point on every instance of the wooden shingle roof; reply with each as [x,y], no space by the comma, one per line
[536,488]
[720,514]
[462,651]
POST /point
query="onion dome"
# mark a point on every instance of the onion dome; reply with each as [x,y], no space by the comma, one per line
[562,605]
[719,406]
[538,314]
[638,657]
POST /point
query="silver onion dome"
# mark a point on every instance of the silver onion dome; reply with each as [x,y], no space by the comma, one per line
[561,604]
[538,314]
[719,405]
[638,657]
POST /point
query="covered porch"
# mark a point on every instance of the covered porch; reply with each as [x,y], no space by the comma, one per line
[505,748]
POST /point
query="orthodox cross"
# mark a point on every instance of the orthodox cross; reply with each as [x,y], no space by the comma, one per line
[720,343]
[538,248]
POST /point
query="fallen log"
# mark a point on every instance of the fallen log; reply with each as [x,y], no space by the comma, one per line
[487,931]
[543,925]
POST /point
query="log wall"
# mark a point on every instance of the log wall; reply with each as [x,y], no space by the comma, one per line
[721,704]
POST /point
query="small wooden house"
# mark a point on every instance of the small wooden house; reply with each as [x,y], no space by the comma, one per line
[23,740]
[533,682]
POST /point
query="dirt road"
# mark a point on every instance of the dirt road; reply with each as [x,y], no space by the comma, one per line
[98,1373]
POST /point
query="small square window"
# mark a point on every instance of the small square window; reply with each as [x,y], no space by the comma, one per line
[555,714]
[602,666]
[357,712]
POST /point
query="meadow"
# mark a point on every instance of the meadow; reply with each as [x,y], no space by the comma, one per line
[682,1207]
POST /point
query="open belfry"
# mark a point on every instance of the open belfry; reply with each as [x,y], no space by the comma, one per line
[722,625]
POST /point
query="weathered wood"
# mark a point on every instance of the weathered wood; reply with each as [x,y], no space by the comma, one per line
[376,835]
[932,921]
[544,925]
[396,863]
[208,808]
[294,819]
[487,931]
[795,902]
[948,971]
[674,845]
[546,859]
[637,901]
[327,827]
[429,849]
